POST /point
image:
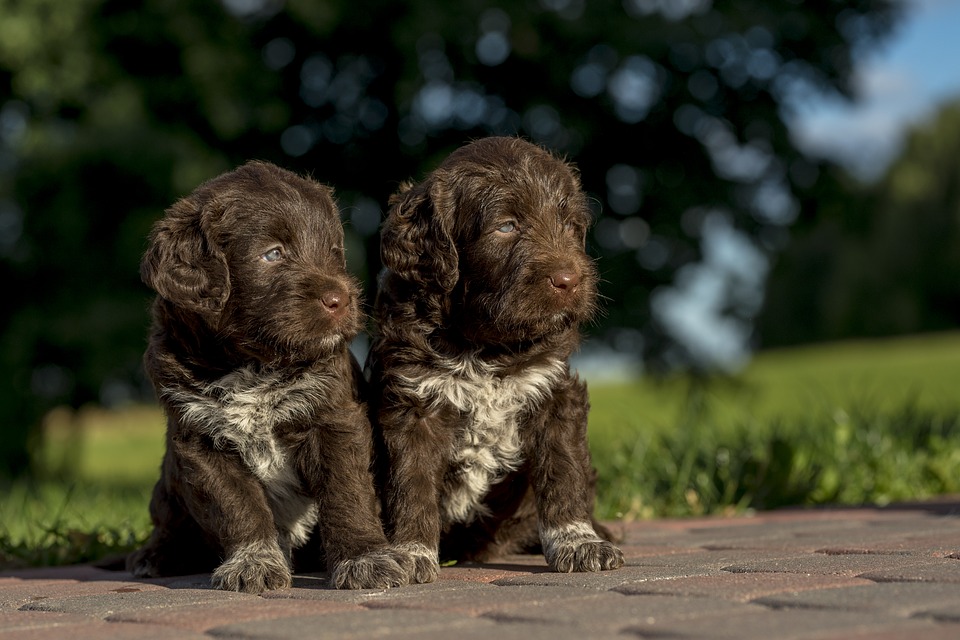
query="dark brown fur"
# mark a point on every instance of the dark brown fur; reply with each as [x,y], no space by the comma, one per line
[486,283]
[267,432]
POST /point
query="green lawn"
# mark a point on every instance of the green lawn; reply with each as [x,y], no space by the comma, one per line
[857,422]
[922,371]
[100,468]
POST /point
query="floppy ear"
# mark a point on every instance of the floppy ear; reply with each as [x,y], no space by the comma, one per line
[417,240]
[182,264]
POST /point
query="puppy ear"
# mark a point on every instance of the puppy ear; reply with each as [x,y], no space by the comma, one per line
[182,264]
[417,240]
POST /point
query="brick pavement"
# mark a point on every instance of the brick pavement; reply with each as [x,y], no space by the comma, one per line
[826,574]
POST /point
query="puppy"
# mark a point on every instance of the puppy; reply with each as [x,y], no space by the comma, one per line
[481,426]
[268,439]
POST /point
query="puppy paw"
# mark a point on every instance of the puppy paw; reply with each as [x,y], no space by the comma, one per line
[576,547]
[142,564]
[253,568]
[422,564]
[597,555]
[380,569]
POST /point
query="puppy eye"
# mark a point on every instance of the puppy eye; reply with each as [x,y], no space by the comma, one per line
[507,227]
[273,255]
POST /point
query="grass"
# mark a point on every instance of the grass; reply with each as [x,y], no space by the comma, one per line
[91,498]
[854,423]
[864,422]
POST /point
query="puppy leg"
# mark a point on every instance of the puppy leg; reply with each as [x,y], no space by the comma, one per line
[412,441]
[230,505]
[562,480]
[335,460]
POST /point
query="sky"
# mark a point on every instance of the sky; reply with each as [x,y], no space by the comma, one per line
[900,84]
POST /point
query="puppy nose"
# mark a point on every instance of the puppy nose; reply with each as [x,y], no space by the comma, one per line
[565,280]
[335,302]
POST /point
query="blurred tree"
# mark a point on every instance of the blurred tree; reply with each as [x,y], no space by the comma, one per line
[102,124]
[894,270]
[674,111]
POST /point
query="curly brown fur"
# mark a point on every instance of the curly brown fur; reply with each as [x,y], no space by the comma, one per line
[268,439]
[481,425]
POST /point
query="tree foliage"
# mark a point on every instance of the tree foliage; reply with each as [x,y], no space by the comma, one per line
[882,259]
[674,111]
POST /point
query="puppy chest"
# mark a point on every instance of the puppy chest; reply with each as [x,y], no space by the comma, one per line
[488,441]
[483,452]
[241,412]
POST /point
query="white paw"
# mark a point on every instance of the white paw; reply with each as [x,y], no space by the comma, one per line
[253,568]
[423,564]
[577,547]
[380,569]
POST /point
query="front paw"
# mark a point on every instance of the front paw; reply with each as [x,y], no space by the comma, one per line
[577,547]
[422,564]
[253,568]
[380,569]
[597,555]
[142,564]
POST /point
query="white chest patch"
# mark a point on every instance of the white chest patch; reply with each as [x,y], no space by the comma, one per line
[488,446]
[239,412]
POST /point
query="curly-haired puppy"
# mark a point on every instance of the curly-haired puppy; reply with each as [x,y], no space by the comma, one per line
[268,439]
[482,426]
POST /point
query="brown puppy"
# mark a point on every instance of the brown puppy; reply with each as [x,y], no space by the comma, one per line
[483,429]
[267,435]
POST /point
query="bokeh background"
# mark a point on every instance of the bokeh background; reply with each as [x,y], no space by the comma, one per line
[755,182]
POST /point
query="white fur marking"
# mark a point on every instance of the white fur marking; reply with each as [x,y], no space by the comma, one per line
[253,567]
[573,534]
[489,446]
[239,412]
[577,547]
[419,550]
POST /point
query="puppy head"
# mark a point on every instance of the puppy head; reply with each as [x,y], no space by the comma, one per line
[499,229]
[257,255]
